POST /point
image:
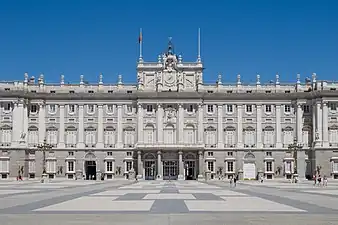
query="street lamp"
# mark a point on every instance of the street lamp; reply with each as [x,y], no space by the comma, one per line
[295,147]
[44,147]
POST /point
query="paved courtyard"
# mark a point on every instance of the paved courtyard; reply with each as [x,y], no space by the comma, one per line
[166,202]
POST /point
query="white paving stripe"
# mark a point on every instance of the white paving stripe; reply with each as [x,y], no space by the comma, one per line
[123,192]
[169,196]
[215,192]
[14,191]
[244,204]
[321,191]
[99,204]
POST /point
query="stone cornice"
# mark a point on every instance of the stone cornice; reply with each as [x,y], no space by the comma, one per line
[169,95]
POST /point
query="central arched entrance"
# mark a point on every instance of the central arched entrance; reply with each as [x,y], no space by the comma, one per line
[190,167]
[249,167]
[90,166]
[149,166]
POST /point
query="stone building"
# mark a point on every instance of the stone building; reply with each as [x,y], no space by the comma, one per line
[170,125]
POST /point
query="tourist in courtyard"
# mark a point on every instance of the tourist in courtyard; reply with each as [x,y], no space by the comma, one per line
[231,180]
[235,181]
[314,179]
[319,180]
[325,180]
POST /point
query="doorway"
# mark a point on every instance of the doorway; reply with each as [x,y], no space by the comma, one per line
[190,169]
[90,169]
[170,170]
[149,169]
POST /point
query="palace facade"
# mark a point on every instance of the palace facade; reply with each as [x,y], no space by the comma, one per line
[170,125]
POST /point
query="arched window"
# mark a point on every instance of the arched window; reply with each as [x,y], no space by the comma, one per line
[169,134]
[249,137]
[33,136]
[230,137]
[52,135]
[210,136]
[90,136]
[189,134]
[333,135]
[149,134]
[307,136]
[269,136]
[6,135]
[129,136]
[109,136]
[71,136]
[287,136]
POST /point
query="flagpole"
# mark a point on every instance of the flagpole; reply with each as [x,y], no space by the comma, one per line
[140,43]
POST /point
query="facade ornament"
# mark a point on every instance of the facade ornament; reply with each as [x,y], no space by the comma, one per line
[119,79]
[298,78]
[179,77]
[159,59]
[314,77]
[258,79]
[180,58]
[41,80]
[101,78]
[26,78]
[219,80]
[317,135]
[62,81]
[239,79]
[277,79]
[81,79]
[139,78]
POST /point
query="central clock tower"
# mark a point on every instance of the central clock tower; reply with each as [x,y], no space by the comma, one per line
[170,70]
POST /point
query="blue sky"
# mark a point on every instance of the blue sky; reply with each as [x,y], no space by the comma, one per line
[246,37]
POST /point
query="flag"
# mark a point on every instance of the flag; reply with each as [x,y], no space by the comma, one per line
[140,37]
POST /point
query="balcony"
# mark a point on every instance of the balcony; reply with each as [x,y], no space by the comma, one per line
[229,146]
[210,146]
[70,145]
[268,146]
[109,145]
[128,146]
[167,146]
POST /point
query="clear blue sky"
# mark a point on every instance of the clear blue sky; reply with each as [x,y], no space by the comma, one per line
[89,37]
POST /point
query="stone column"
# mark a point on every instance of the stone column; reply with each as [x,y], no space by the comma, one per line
[259,126]
[119,127]
[314,124]
[140,124]
[25,123]
[181,166]
[200,165]
[80,143]
[159,166]
[239,126]
[278,127]
[139,165]
[220,141]
[180,124]
[61,143]
[42,124]
[159,117]
[200,124]
[100,128]
[325,125]
[319,125]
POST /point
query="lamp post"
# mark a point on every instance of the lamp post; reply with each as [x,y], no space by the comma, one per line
[295,147]
[44,147]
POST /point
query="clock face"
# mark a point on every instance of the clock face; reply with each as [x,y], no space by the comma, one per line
[170,79]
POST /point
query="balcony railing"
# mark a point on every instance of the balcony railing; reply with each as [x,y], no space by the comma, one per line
[268,145]
[229,145]
[109,145]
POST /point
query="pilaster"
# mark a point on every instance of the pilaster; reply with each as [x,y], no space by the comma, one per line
[139,165]
[119,126]
[325,125]
[140,123]
[220,126]
[17,124]
[278,127]
[159,117]
[80,143]
[200,165]
[24,132]
[259,126]
[100,143]
[61,127]
[200,126]
[299,123]
[319,121]
[240,126]
[180,124]
[42,123]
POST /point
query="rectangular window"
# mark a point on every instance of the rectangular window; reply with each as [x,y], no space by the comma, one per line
[210,154]
[90,108]
[71,153]
[268,166]
[109,153]
[129,165]
[333,106]
[268,108]
[210,108]
[149,108]
[211,166]
[70,166]
[230,166]
[268,153]
[129,153]
[306,108]
[109,166]
[7,106]
[230,154]
[34,108]
[190,108]
[71,108]
[249,108]
[287,108]
[52,108]
[129,109]
[229,108]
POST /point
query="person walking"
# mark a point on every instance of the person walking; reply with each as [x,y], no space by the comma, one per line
[235,181]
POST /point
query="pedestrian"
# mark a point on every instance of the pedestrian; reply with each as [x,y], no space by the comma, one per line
[319,180]
[325,181]
[315,179]
[235,181]
[231,180]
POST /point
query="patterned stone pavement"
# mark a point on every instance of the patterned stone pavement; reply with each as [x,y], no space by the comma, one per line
[166,202]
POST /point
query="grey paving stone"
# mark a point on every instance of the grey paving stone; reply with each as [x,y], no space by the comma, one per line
[166,206]
[131,196]
[206,196]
